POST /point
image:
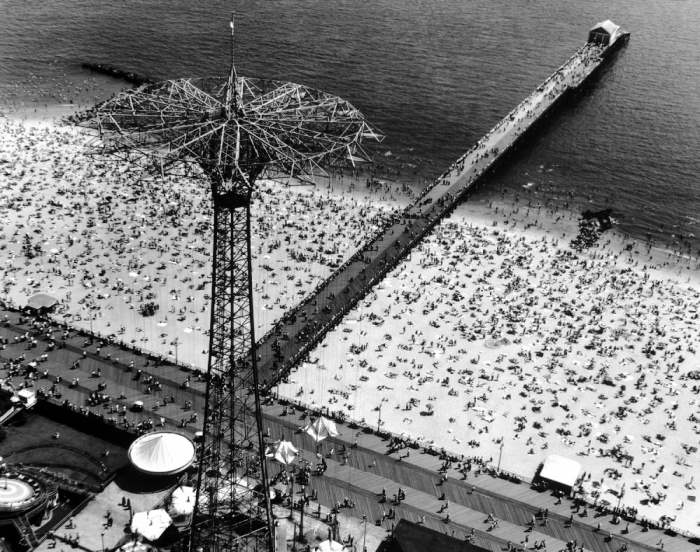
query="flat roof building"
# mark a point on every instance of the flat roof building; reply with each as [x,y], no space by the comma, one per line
[560,472]
[605,33]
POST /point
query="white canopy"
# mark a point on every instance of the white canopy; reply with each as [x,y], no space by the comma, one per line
[560,470]
[162,453]
[152,524]
[41,301]
[282,451]
[321,428]
[330,546]
[182,501]
[135,546]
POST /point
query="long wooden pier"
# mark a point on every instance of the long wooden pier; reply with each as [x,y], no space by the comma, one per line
[305,326]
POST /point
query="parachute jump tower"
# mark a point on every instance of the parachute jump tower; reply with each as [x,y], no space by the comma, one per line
[228,131]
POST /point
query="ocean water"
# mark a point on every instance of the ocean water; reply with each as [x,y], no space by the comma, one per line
[433,75]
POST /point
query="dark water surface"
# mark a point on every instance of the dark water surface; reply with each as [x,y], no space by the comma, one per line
[432,75]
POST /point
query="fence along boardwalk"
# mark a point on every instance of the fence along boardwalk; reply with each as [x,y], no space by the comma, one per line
[513,502]
[304,327]
[508,501]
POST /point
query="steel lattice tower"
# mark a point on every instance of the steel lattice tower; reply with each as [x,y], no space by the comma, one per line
[228,131]
[233,509]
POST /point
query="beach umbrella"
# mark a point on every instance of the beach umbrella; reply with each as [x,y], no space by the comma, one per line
[330,546]
[321,429]
[152,524]
[283,451]
[182,501]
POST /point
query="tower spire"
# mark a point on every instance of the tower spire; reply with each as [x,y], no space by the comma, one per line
[232,98]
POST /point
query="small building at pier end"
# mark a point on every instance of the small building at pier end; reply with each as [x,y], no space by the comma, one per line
[605,33]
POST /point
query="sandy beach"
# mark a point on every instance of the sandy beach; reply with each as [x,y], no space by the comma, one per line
[493,337]
[104,245]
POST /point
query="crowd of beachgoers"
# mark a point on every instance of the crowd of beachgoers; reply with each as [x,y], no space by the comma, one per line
[112,244]
[496,338]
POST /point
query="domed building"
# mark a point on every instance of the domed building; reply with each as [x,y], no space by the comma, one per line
[162,453]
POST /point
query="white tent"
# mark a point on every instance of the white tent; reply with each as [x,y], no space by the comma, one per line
[152,524]
[282,451]
[135,546]
[330,546]
[321,428]
[162,453]
[182,501]
[41,301]
[559,469]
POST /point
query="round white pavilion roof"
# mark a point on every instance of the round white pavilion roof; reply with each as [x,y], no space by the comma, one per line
[162,453]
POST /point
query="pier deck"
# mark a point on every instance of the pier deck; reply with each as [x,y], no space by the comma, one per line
[304,327]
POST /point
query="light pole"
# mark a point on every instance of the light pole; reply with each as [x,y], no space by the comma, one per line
[619,498]
[291,501]
[301,538]
[379,415]
[500,453]
[364,534]
[176,343]
[102,538]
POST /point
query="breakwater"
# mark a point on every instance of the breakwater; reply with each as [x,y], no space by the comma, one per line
[115,72]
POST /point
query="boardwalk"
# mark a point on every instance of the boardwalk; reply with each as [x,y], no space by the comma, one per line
[368,467]
[304,327]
